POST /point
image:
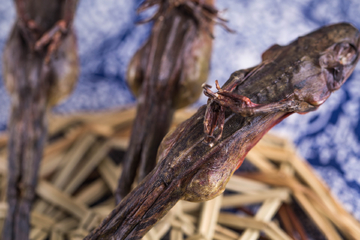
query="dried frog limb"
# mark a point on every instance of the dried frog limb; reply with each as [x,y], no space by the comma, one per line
[40,69]
[195,165]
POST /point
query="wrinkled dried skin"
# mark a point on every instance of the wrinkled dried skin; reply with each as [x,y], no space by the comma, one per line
[34,87]
[298,77]
[192,168]
[166,73]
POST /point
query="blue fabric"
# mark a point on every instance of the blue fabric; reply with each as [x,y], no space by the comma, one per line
[329,138]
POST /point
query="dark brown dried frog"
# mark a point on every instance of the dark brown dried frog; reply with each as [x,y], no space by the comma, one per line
[166,73]
[195,165]
[40,69]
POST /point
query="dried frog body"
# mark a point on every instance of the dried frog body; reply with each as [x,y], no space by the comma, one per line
[195,165]
[40,69]
[166,74]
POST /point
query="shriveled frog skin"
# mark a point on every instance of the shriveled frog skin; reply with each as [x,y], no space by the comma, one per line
[195,164]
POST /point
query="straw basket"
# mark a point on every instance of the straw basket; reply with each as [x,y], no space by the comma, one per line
[80,169]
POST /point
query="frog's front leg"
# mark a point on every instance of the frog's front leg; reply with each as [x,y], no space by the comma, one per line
[244,106]
[214,117]
[215,113]
[52,37]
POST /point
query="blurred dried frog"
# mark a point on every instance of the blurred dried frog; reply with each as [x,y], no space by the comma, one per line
[166,74]
[40,69]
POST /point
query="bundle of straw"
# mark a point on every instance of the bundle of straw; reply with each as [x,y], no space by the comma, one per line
[78,177]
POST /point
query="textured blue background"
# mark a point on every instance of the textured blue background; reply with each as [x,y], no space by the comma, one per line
[329,138]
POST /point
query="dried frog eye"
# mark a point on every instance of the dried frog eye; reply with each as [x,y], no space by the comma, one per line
[346,53]
[338,73]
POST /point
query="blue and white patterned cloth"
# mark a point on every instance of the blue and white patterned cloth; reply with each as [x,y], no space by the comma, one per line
[329,138]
